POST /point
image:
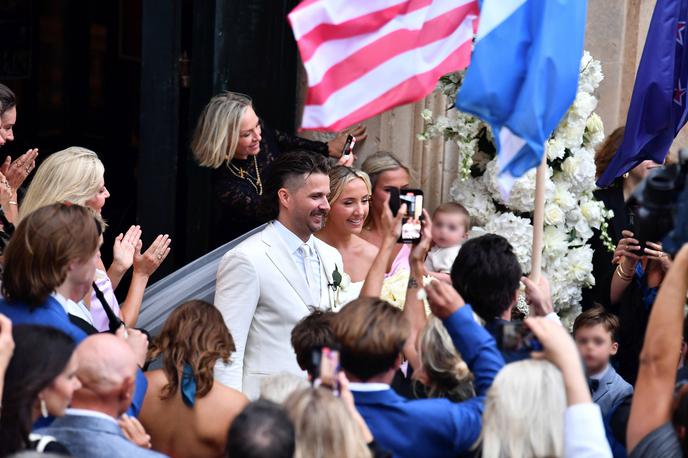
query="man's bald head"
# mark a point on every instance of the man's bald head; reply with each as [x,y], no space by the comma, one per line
[107,371]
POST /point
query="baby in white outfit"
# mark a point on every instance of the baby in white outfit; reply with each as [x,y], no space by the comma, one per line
[450,225]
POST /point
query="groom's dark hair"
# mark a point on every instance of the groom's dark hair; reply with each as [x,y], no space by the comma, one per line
[281,172]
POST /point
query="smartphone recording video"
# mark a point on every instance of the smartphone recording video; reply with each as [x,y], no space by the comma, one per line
[328,368]
[516,339]
[349,145]
[412,222]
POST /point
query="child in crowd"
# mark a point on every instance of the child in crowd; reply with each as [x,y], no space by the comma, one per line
[450,225]
[595,334]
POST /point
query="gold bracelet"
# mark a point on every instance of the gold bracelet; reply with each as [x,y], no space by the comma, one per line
[624,277]
[623,272]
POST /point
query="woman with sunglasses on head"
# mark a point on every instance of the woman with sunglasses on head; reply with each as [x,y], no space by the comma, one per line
[232,140]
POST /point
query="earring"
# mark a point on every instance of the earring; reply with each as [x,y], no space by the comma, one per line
[44,409]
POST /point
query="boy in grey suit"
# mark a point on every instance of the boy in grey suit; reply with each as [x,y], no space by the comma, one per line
[595,333]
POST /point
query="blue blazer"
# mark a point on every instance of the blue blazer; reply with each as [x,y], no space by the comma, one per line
[436,427]
[611,392]
[91,437]
[53,315]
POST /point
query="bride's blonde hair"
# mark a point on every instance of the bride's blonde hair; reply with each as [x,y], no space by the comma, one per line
[448,374]
[72,175]
[340,176]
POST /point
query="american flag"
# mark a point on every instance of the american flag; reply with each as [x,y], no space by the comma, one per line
[364,57]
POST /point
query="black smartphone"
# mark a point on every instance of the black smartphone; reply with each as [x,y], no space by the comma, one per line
[394,203]
[349,145]
[516,339]
[412,222]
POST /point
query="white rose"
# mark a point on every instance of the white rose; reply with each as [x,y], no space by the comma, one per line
[592,212]
[594,130]
[555,148]
[554,215]
[555,241]
[563,197]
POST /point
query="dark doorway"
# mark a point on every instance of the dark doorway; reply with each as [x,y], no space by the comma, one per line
[128,78]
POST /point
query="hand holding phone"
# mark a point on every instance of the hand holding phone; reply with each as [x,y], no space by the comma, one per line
[412,222]
[328,368]
[516,339]
[349,145]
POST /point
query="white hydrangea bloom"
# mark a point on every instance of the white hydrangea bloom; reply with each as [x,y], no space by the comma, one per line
[571,211]
[473,195]
[518,231]
[522,197]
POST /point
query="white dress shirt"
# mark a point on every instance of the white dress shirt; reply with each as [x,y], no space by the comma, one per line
[305,256]
[600,374]
[90,413]
[74,308]
[368,387]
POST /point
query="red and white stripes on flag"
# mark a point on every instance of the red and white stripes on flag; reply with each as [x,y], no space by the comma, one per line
[364,57]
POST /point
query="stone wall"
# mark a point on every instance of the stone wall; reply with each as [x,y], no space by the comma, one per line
[615,35]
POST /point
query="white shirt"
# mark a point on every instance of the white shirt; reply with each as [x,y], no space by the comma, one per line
[441,259]
[584,435]
[74,308]
[309,264]
[368,387]
[600,374]
[90,413]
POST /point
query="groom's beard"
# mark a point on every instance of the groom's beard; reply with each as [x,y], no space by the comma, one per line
[317,220]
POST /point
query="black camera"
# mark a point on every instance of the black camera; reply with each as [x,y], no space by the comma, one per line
[659,206]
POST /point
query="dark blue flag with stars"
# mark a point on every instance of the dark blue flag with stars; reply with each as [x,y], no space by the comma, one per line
[658,105]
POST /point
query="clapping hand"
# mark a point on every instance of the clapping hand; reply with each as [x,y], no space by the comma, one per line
[6,191]
[148,262]
[16,171]
[125,247]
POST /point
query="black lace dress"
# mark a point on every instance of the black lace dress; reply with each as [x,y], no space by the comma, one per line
[236,200]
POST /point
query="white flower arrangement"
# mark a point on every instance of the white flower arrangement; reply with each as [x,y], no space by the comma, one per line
[571,211]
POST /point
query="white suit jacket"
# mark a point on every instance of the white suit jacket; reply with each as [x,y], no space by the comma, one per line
[262,295]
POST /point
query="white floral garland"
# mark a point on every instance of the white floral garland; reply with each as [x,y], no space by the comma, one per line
[571,211]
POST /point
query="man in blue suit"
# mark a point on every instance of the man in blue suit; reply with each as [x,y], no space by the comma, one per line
[107,371]
[372,334]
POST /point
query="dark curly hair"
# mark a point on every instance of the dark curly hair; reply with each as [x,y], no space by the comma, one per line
[285,167]
[195,333]
[487,274]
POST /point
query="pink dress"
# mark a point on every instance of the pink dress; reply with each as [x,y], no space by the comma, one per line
[401,262]
[100,319]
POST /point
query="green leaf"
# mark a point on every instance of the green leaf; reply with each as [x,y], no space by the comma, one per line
[336,277]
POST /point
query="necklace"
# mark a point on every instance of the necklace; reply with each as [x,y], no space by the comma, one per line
[240,172]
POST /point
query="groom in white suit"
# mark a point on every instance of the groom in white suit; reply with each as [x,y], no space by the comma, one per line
[273,279]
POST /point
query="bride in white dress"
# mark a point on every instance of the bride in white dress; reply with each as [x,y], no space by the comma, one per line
[350,193]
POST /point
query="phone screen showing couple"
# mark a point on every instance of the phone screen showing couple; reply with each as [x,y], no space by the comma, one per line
[411,224]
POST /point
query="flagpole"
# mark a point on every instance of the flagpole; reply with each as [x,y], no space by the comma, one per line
[538,219]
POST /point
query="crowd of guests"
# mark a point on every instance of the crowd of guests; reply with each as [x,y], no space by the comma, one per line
[300,355]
